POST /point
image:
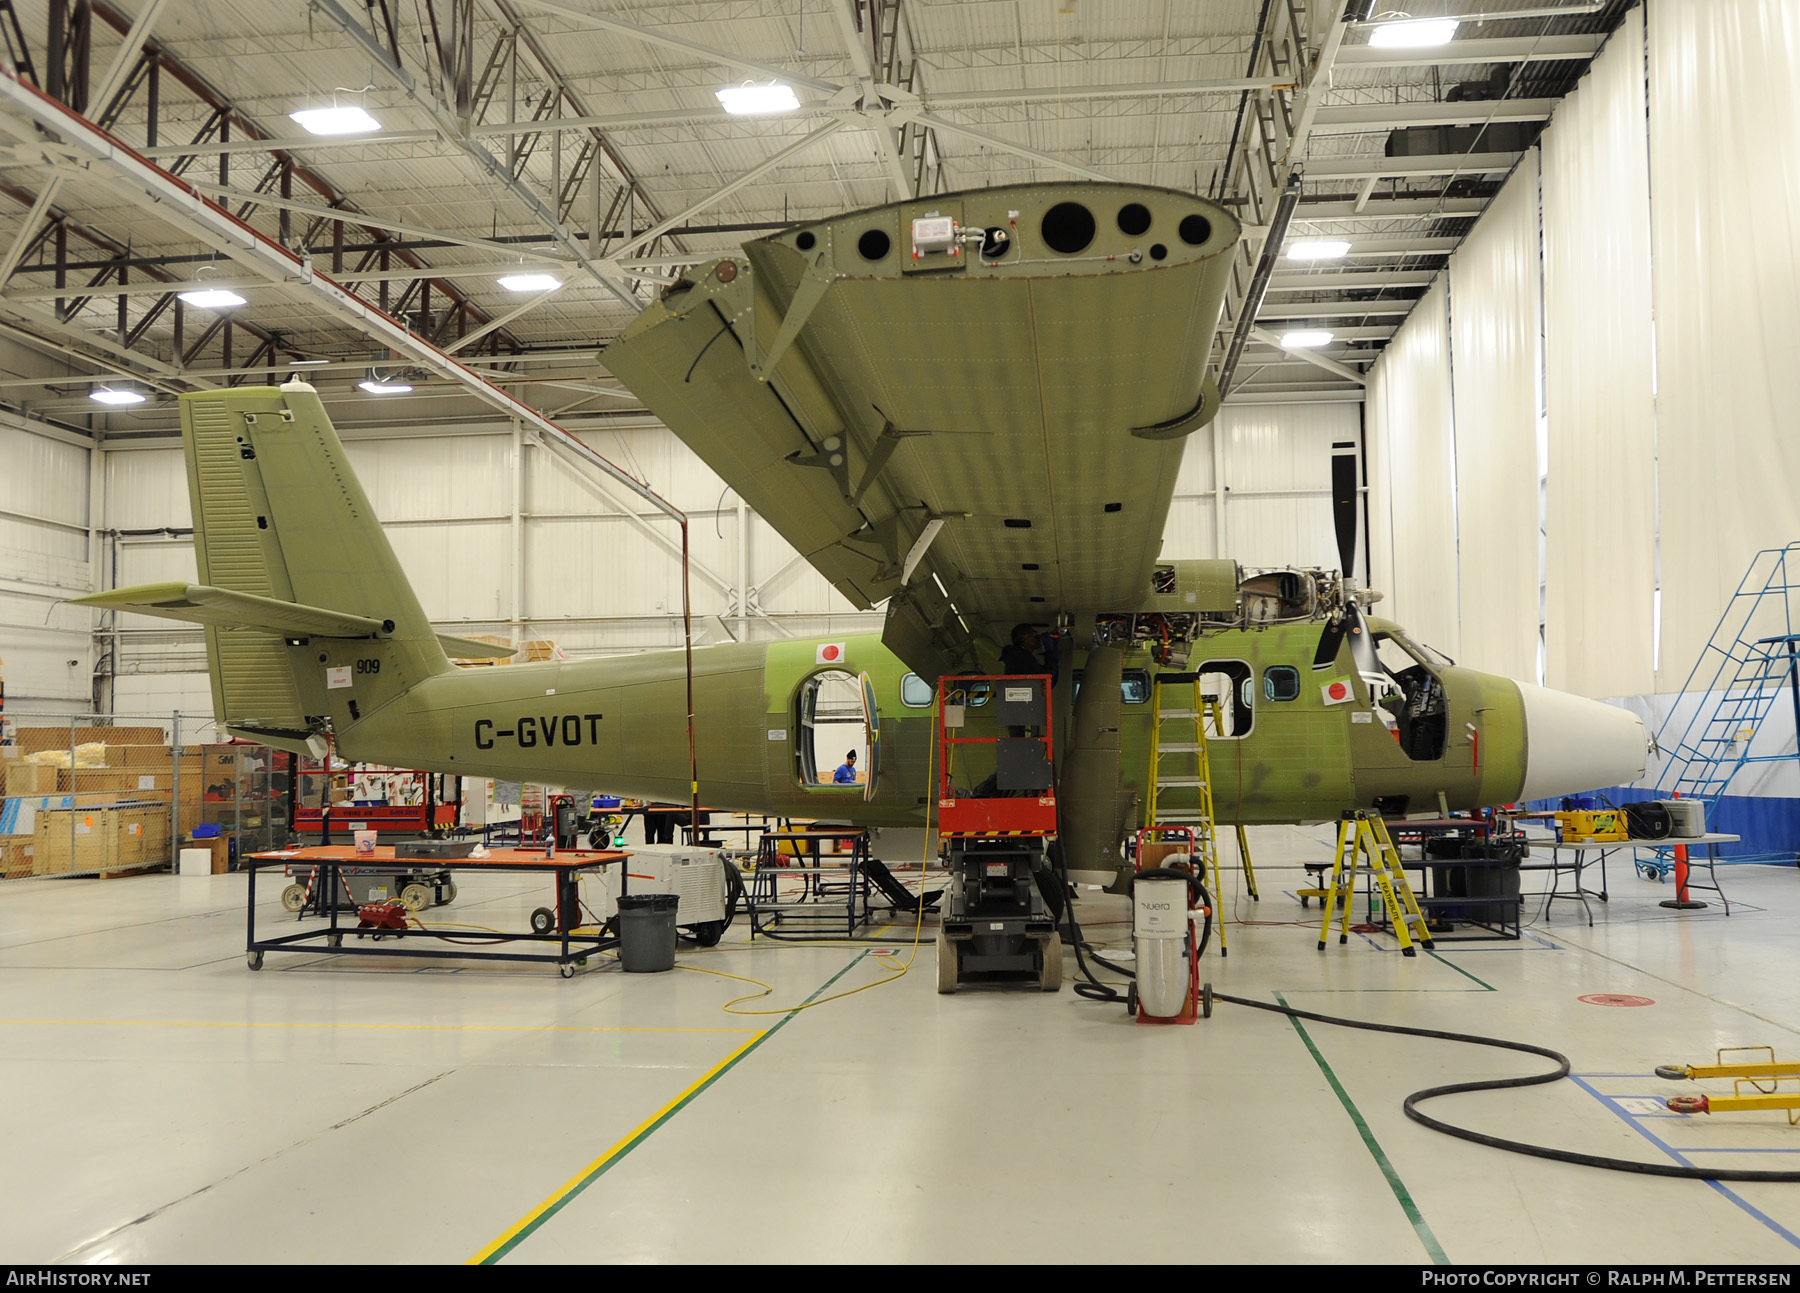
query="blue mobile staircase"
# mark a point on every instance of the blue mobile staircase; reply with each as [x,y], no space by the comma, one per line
[1751,659]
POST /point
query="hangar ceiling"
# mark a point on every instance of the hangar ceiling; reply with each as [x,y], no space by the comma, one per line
[584,139]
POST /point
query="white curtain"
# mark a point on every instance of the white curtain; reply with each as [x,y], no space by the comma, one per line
[1412,474]
[1494,313]
[1601,520]
[1725,182]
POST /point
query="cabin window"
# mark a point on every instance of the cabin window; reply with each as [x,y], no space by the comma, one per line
[916,693]
[828,722]
[1228,690]
[1281,682]
[1134,686]
[972,694]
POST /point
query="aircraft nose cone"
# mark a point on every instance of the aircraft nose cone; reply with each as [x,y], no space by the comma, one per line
[1573,744]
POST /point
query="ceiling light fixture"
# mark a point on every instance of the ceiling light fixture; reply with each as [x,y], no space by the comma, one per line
[530,283]
[1418,33]
[106,395]
[1318,249]
[756,100]
[306,363]
[347,119]
[1305,339]
[384,388]
[212,298]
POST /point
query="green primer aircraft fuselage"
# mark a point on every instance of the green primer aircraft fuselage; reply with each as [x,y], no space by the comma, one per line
[614,724]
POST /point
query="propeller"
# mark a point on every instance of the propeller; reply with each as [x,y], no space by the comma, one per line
[1349,618]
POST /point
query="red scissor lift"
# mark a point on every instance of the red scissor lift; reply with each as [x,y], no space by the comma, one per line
[998,925]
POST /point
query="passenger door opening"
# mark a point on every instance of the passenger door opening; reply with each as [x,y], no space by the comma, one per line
[834,716]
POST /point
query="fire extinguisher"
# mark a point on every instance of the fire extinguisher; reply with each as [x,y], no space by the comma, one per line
[1167,903]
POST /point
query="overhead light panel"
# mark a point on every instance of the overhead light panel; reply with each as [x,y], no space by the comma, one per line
[1318,249]
[1419,33]
[107,396]
[1306,339]
[530,283]
[385,388]
[756,100]
[212,298]
[347,119]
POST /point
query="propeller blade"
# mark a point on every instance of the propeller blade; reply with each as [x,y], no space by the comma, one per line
[1343,509]
[1329,642]
[1362,644]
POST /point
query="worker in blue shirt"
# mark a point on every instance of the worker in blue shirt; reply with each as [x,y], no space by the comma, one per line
[846,773]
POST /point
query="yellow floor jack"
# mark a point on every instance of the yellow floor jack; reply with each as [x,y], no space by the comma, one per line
[1764,1079]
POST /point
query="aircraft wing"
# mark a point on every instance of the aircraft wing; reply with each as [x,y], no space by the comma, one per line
[972,407]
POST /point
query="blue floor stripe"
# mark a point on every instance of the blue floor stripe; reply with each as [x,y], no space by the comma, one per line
[1633,1122]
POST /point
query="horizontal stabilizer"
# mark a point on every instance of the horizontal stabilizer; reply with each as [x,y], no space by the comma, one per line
[203,604]
[474,648]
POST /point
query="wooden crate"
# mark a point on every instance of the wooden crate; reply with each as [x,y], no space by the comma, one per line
[103,840]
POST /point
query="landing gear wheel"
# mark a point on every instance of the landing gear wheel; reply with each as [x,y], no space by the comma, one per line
[1053,965]
[568,969]
[416,897]
[543,920]
[946,964]
[293,898]
[708,932]
[253,960]
[1206,1000]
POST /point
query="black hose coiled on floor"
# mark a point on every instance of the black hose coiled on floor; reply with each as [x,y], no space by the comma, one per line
[1417,1098]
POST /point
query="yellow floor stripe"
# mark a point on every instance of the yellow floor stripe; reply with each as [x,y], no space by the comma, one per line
[599,1165]
[424,1028]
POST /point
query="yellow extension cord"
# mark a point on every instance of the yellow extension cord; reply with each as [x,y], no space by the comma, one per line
[893,974]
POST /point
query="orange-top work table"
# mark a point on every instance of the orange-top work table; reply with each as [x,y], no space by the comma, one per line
[568,946]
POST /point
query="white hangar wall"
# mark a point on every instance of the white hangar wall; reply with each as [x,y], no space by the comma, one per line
[1641,392]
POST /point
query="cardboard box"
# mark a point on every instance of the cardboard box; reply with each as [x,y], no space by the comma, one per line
[30,779]
[218,845]
[15,858]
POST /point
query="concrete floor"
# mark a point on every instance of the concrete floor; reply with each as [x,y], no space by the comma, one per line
[164,1104]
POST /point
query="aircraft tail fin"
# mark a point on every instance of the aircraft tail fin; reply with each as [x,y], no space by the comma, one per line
[311,624]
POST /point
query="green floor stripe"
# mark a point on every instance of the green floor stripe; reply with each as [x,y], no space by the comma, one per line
[1454,966]
[1375,1151]
[649,1131]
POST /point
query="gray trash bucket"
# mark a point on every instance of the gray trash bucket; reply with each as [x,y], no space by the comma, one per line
[647,932]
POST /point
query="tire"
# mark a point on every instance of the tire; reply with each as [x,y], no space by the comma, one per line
[293,898]
[1131,1000]
[708,932]
[416,897]
[543,920]
[1051,980]
[446,893]
[254,960]
[599,840]
[946,964]
[1206,1000]
[334,940]
[568,969]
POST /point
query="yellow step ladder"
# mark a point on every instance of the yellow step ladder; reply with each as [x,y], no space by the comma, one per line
[1181,778]
[1364,845]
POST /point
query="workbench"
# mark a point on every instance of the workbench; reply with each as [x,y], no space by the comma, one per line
[567,948]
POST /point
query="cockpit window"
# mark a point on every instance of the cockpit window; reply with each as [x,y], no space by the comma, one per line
[1413,707]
